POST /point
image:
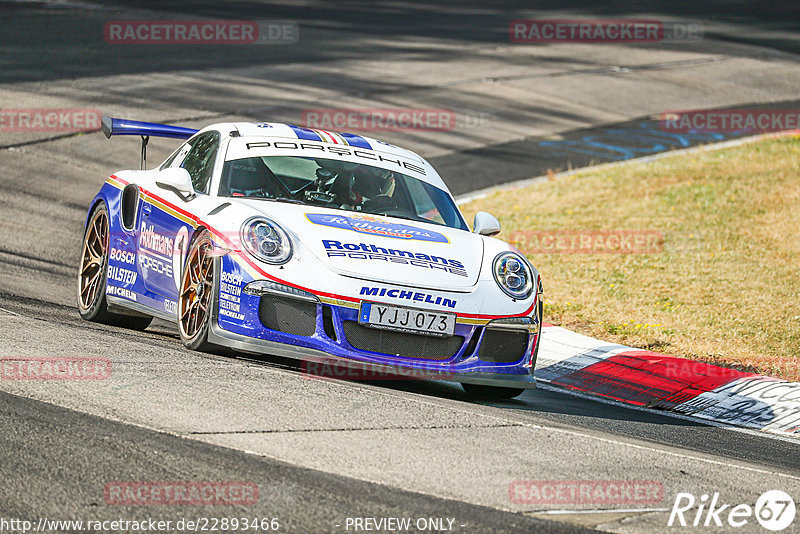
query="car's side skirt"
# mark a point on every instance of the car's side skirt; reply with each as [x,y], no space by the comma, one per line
[120,305]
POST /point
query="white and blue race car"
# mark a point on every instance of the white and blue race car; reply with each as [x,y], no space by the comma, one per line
[314,245]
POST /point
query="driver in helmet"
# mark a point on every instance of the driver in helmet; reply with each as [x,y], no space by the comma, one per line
[372,188]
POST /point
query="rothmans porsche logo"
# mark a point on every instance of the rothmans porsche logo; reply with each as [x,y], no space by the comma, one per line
[363,251]
[372,225]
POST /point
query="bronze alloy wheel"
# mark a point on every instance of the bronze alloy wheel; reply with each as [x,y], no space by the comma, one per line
[93,261]
[194,299]
[93,264]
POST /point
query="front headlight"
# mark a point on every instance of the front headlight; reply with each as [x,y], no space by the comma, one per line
[513,274]
[266,240]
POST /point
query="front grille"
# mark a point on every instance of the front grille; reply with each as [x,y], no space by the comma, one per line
[288,315]
[401,343]
[501,346]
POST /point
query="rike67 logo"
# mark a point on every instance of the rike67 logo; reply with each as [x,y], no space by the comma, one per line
[774,510]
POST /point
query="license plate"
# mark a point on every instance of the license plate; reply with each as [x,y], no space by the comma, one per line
[407,319]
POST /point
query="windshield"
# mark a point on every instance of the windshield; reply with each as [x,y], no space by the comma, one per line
[339,185]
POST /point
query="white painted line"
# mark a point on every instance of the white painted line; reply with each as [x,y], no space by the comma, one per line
[424,399]
[668,453]
[708,422]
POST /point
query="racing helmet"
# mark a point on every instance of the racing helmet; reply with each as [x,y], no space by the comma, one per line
[369,182]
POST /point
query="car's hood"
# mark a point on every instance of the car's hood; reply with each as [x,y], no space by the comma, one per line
[380,248]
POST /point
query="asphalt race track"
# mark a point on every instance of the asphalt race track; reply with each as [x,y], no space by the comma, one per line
[322,451]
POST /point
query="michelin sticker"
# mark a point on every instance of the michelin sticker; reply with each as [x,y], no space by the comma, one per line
[366,224]
[120,292]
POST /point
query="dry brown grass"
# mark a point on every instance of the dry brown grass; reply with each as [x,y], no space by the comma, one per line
[726,287]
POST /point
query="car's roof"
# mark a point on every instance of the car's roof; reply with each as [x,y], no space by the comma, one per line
[248,131]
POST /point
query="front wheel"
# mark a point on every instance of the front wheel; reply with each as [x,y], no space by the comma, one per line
[482,392]
[195,296]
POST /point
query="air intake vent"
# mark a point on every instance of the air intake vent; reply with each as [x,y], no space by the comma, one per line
[288,315]
[327,322]
[401,344]
[500,346]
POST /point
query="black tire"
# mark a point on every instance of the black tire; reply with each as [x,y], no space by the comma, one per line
[539,335]
[481,392]
[195,294]
[92,269]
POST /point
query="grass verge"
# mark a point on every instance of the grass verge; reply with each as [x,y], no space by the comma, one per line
[724,287]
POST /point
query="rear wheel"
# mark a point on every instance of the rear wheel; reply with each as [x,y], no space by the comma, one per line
[194,298]
[482,392]
[92,303]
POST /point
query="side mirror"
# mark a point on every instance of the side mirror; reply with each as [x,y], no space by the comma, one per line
[485,224]
[176,179]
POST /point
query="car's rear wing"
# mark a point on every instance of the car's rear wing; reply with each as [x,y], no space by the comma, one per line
[112,126]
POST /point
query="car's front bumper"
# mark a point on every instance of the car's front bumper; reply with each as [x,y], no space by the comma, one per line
[328,354]
[329,366]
